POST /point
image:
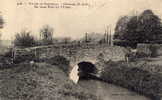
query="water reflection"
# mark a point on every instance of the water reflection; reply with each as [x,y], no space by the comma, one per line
[105,91]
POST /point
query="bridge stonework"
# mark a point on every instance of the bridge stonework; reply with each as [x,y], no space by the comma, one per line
[84,52]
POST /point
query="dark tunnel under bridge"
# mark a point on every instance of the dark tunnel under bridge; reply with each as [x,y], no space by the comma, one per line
[87,70]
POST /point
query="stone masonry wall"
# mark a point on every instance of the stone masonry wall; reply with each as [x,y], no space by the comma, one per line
[78,53]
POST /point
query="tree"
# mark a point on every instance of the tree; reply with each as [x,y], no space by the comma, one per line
[24,39]
[140,29]
[1,22]
[150,26]
[131,33]
[121,27]
[46,34]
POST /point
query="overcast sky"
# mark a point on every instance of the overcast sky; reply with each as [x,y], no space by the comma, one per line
[73,22]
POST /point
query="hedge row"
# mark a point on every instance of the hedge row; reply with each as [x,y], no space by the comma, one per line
[133,78]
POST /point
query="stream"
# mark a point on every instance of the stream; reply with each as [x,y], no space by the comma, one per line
[106,91]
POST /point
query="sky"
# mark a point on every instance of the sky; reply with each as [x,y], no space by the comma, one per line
[71,22]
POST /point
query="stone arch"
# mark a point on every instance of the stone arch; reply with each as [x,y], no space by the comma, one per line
[87,66]
[86,69]
[74,61]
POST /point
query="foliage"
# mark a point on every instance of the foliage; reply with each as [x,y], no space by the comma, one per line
[46,34]
[24,58]
[60,61]
[24,39]
[1,22]
[143,28]
[121,27]
[132,77]
[39,81]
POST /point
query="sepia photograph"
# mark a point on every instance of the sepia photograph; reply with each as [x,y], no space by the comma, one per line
[80,49]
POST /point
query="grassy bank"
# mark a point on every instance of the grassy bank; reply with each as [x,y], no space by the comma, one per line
[39,81]
[134,78]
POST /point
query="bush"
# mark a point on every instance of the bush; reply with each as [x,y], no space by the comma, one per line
[142,55]
[40,82]
[24,58]
[125,43]
[60,61]
[133,78]
[5,62]
[24,39]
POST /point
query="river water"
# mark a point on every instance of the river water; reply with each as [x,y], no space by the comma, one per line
[106,91]
[103,90]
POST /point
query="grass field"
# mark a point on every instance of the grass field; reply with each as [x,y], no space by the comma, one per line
[39,81]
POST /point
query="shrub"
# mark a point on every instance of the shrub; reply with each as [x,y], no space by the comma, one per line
[23,58]
[24,39]
[60,61]
[141,55]
[6,60]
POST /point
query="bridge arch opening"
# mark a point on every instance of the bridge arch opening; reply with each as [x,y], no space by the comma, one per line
[86,69]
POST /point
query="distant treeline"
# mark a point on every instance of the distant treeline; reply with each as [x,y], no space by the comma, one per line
[143,28]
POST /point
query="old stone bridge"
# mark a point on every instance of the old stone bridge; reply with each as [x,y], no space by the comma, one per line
[76,53]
